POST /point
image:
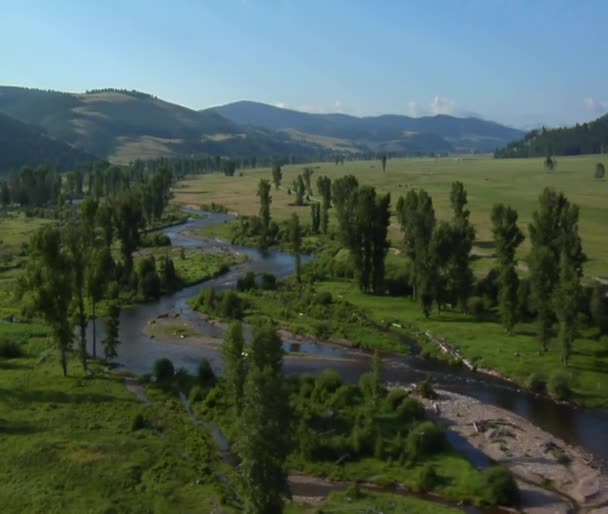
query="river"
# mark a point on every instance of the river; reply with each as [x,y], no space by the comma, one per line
[138,352]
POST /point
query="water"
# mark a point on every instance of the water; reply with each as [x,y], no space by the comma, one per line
[138,352]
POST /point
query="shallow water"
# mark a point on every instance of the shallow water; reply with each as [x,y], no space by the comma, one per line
[138,352]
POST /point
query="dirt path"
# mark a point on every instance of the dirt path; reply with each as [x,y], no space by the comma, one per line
[540,460]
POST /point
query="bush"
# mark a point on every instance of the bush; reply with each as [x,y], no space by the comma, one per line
[246,282]
[10,350]
[559,385]
[196,395]
[155,239]
[410,409]
[394,398]
[536,384]
[326,384]
[138,422]
[500,486]
[183,379]
[379,446]
[268,282]
[475,306]
[205,374]
[231,306]
[425,438]
[427,479]
[600,170]
[353,492]
[163,371]
[425,389]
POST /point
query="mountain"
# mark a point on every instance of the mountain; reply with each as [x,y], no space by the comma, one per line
[587,138]
[387,132]
[22,145]
[123,125]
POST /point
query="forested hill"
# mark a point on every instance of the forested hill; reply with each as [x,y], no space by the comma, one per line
[122,125]
[22,144]
[587,138]
[441,132]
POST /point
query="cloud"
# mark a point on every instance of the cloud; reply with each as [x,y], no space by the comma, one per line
[441,105]
[412,108]
[595,106]
[339,105]
[280,105]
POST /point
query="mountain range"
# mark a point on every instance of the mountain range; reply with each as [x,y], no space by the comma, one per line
[122,125]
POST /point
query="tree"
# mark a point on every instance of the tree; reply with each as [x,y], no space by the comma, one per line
[315,215]
[324,189]
[507,237]
[267,349]
[306,176]
[265,201]
[550,163]
[438,266]
[99,272]
[598,307]
[263,442]
[383,161]
[128,218]
[229,167]
[542,279]
[277,174]
[75,242]
[566,302]
[295,238]
[47,281]
[111,341]
[376,376]
[300,189]
[105,222]
[234,365]
[600,170]
[345,195]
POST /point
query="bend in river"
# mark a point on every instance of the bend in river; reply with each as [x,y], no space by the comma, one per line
[138,352]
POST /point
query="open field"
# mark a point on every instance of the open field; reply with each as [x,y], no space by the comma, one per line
[517,182]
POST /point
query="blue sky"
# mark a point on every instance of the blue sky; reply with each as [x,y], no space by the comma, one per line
[518,62]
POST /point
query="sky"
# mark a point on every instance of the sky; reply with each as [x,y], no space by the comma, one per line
[519,62]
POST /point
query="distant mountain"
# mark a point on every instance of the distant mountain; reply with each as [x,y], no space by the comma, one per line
[123,125]
[22,145]
[587,138]
[388,132]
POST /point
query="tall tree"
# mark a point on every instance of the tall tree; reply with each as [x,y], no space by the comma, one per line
[307,176]
[315,216]
[345,195]
[47,282]
[299,188]
[267,349]
[99,272]
[277,174]
[128,218]
[265,201]
[295,238]
[383,161]
[105,222]
[234,365]
[263,442]
[507,237]
[324,189]
[111,341]
[566,302]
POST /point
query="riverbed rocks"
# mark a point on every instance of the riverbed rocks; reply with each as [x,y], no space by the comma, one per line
[543,464]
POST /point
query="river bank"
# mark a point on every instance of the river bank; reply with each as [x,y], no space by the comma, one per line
[541,461]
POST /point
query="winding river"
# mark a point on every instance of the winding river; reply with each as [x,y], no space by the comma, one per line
[137,353]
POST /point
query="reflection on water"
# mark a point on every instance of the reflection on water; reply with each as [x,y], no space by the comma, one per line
[138,352]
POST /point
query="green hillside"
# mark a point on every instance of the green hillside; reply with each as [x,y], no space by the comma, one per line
[22,145]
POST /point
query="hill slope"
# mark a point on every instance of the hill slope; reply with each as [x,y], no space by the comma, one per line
[22,144]
[123,125]
[587,138]
[461,134]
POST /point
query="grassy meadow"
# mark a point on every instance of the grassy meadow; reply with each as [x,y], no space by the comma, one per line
[517,182]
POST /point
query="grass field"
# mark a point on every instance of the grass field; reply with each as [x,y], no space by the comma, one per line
[68,445]
[517,182]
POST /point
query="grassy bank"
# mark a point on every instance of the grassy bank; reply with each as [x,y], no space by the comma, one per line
[70,444]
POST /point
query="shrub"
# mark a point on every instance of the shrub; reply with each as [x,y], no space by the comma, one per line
[475,305]
[268,282]
[425,438]
[324,298]
[163,371]
[246,282]
[500,486]
[379,446]
[205,374]
[426,479]
[559,385]
[410,409]
[138,422]
[196,395]
[10,350]
[425,389]
[354,492]
[394,398]
[326,383]
[232,306]
[535,383]
[183,379]
[600,170]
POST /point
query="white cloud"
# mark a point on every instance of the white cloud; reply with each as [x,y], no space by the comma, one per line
[441,105]
[280,105]
[412,108]
[339,105]
[595,106]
